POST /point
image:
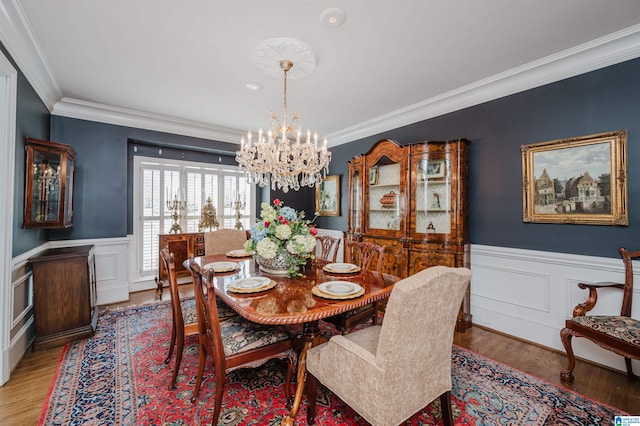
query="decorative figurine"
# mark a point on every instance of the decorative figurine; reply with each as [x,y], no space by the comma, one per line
[208,217]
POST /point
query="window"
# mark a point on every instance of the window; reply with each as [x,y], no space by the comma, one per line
[160,182]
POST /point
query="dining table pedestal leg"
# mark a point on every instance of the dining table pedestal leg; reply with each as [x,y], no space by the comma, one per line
[311,336]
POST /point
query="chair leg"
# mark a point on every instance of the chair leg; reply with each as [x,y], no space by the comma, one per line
[445,408]
[627,361]
[218,399]
[203,356]
[565,336]
[287,380]
[312,393]
[172,342]
[176,366]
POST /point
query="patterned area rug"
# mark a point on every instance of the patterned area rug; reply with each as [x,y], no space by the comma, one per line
[119,377]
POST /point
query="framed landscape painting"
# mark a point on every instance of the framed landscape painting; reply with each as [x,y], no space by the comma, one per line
[328,196]
[581,180]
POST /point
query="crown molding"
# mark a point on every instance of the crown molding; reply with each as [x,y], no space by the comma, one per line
[91,111]
[599,53]
[18,39]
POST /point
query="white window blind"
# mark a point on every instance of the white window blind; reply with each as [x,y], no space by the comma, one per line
[162,180]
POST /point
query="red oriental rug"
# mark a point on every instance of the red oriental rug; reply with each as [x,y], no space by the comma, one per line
[118,377]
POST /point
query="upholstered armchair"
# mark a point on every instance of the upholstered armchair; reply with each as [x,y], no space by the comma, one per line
[617,333]
[389,372]
[224,240]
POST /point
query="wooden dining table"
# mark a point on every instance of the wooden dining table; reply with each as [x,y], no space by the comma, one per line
[292,301]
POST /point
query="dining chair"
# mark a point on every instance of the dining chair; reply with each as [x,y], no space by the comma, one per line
[365,255]
[184,317]
[389,372]
[327,248]
[619,333]
[235,343]
[224,240]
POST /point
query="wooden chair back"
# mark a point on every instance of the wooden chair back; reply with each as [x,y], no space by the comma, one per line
[607,331]
[363,254]
[251,345]
[327,248]
[179,329]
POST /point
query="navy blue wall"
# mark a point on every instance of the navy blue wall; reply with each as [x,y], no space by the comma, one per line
[102,180]
[32,120]
[600,101]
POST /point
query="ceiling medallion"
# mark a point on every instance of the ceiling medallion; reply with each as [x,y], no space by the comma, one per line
[279,156]
[270,52]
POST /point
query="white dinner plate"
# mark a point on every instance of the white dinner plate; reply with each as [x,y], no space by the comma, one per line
[238,253]
[339,288]
[342,268]
[221,266]
[251,282]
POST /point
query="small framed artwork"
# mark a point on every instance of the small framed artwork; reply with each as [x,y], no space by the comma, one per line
[328,196]
[581,180]
[373,176]
[432,169]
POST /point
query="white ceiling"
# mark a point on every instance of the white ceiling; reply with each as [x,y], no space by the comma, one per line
[390,63]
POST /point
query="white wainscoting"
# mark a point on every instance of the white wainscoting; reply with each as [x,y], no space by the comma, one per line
[529,294]
[524,293]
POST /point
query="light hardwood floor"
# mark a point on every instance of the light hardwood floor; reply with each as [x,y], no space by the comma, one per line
[22,398]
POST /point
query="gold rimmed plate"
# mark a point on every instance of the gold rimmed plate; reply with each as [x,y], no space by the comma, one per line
[237,253]
[338,290]
[341,268]
[251,285]
[220,267]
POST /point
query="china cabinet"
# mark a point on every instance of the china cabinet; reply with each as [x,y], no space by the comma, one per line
[64,295]
[413,200]
[49,184]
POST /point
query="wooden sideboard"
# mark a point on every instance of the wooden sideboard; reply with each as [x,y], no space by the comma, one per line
[183,246]
[64,295]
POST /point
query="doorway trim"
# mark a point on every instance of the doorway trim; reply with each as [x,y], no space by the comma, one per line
[8,102]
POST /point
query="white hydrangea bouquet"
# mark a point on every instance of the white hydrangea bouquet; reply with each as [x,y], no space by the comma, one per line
[282,241]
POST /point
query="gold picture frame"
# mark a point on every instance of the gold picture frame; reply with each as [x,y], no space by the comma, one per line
[328,196]
[581,180]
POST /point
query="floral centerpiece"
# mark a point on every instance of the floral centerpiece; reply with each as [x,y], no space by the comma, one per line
[282,241]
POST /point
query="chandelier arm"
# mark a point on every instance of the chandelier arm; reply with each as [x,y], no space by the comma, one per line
[280,158]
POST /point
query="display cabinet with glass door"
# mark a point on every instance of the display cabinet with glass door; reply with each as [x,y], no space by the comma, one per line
[49,184]
[439,232]
[383,175]
[414,202]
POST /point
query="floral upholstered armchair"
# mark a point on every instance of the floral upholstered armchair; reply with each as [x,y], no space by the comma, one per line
[617,333]
[391,371]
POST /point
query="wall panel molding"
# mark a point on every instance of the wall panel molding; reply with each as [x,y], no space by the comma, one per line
[529,294]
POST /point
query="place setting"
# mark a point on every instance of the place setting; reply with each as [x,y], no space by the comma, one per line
[251,285]
[338,290]
[221,267]
[239,253]
[341,268]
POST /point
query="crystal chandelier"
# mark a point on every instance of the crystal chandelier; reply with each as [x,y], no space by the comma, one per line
[280,155]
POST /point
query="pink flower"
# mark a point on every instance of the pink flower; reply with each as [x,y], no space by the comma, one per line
[313,231]
[277,202]
[266,224]
[281,219]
